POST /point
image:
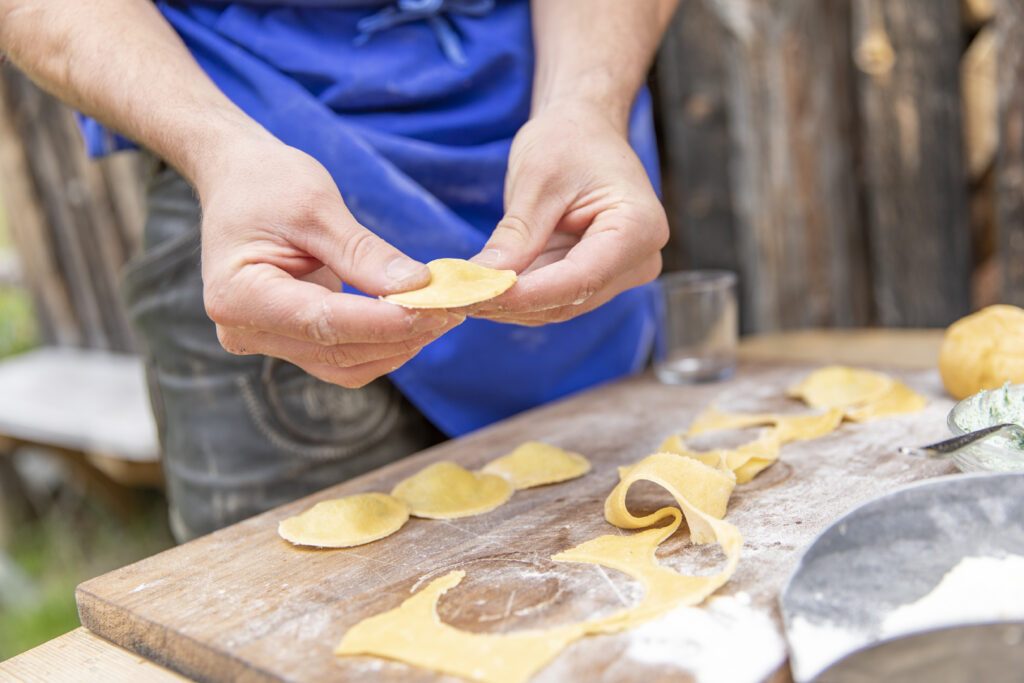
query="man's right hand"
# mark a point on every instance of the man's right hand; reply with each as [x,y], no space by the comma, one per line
[277,242]
[277,237]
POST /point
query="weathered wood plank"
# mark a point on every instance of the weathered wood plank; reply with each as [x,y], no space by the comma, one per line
[695,134]
[1010,190]
[74,222]
[81,657]
[915,182]
[761,152]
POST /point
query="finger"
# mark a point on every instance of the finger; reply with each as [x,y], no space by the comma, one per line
[530,218]
[324,277]
[360,257]
[264,298]
[611,247]
[633,278]
[247,342]
[358,376]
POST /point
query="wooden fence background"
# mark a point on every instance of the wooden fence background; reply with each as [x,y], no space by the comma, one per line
[857,162]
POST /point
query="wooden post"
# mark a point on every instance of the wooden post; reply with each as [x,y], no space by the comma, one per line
[1010,165]
[73,221]
[908,56]
[695,132]
[760,148]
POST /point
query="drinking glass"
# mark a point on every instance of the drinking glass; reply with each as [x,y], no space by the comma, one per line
[698,320]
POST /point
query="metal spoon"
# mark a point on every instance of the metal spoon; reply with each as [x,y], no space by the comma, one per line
[944,449]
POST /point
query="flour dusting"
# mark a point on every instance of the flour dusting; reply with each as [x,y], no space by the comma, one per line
[976,590]
[706,640]
[816,645]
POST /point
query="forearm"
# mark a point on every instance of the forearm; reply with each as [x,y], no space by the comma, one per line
[121,62]
[595,51]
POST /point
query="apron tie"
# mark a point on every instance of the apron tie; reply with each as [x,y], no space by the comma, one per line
[434,13]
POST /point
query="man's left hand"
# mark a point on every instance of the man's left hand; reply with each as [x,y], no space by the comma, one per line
[582,221]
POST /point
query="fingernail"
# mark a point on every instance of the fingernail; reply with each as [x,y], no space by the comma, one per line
[488,257]
[401,269]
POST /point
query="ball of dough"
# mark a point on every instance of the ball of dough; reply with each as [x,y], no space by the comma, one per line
[983,351]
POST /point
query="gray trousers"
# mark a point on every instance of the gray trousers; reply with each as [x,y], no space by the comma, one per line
[242,434]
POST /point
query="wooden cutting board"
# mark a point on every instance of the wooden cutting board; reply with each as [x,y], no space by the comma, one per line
[242,604]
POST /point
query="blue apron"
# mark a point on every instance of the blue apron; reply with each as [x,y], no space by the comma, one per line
[418,143]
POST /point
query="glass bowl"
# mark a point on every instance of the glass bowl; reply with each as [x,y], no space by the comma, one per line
[998,453]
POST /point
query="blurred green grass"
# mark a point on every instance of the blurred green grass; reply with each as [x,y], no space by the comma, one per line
[74,541]
[77,534]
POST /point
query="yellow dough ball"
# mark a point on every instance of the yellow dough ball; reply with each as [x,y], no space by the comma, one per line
[983,351]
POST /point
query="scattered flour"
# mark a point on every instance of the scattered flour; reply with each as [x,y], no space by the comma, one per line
[705,640]
[977,590]
[816,646]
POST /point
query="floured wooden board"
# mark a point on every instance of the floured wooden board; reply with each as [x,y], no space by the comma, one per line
[244,604]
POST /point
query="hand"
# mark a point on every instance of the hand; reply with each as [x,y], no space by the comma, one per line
[582,222]
[277,240]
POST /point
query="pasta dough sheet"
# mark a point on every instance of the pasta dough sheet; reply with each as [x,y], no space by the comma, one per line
[413,632]
[346,522]
[536,464]
[446,490]
[838,386]
[455,283]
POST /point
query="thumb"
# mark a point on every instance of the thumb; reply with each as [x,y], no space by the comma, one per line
[367,262]
[522,233]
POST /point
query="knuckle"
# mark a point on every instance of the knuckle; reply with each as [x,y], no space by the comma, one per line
[315,324]
[514,228]
[360,246]
[588,286]
[338,356]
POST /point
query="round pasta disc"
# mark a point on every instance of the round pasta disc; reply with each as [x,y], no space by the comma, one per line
[346,522]
[455,283]
[446,490]
[536,464]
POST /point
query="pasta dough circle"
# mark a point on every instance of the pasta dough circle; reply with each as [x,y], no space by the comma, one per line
[346,522]
[446,490]
[455,283]
[535,463]
[838,386]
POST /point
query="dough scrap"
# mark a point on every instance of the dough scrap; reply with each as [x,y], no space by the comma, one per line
[862,394]
[788,427]
[536,464]
[838,386]
[413,632]
[446,490]
[455,283]
[744,462]
[899,400]
[346,522]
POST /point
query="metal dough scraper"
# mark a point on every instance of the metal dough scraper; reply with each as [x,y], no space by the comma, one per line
[891,552]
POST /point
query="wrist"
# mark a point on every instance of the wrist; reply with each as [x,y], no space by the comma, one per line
[214,145]
[593,94]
